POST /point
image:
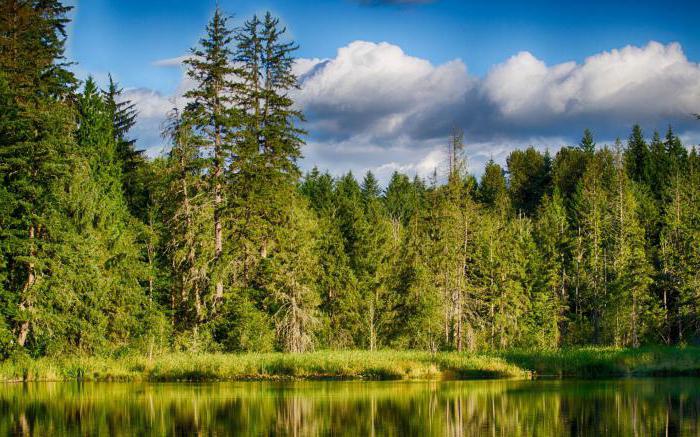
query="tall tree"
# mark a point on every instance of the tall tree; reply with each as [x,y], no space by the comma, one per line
[36,130]
[638,157]
[492,188]
[123,113]
[529,179]
[631,307]
[212,114]
[550,299]
[587,143]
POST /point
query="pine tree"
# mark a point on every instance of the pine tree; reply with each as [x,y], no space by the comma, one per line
[35,143]
[593,229]
[529,179]
[187,216]
[551,296]
[123,114]
[569,165]
[492,189]
[290,275]
[637,157]
[420,307]
[631,304]
[100,259]
[372,261]
[680,257]
[587,144]
[212,114]
[337,282]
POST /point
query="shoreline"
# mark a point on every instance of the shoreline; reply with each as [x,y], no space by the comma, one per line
[582,363]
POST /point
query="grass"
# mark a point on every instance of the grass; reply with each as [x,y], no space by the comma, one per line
[379,365]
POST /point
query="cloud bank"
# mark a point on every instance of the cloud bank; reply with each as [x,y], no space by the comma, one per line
[375,107]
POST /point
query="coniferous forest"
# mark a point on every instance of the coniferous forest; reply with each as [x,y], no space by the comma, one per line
[223,244]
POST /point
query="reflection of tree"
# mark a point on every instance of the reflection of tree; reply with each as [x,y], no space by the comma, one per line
[625,407]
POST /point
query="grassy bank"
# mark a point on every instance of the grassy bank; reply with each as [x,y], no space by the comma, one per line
[586,362]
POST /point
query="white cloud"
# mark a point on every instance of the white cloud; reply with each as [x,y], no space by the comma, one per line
[374,107]
[375,88]
[632,82]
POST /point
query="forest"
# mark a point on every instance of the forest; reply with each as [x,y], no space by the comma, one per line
[223,244]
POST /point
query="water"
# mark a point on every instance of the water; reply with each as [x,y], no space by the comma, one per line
[664,406]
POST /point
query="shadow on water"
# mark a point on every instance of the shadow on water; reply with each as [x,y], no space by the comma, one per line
[667,406]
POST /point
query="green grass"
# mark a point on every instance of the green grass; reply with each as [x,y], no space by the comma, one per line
[597,362]
[380,365]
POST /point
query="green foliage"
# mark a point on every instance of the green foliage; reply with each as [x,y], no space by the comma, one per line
[492,188]
[529,177]
[221,246]
[243,327]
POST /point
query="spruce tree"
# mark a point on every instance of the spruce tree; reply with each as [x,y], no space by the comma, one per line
[587,144]
[492,188]
[214,117]
[638,157]
[36,130]
[123,114]
[529,179]
[187,215]
[593,257]
[551,295]
[631,307]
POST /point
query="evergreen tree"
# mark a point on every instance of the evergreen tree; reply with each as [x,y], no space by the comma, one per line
[187,215]
[123,114]
[631,305]
[36,130]
[290,275]
[638,157]
[587,144]
[567,171]
[680,257]
[213,116]
[492,188]
[529,179]
[593,257]
[550,298]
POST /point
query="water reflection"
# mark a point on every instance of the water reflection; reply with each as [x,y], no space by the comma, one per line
[499,408]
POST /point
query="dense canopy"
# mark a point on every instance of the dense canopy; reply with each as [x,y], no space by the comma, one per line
[222,244]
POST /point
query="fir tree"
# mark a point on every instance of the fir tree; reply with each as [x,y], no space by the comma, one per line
[36,130]
[492,188]
[587,144]
[213,116]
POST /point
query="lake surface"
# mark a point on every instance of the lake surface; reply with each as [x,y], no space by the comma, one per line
[663,406]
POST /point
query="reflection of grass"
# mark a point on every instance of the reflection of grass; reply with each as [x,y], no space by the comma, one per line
[380,365]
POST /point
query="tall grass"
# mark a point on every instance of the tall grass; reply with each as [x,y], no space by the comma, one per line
[378,365]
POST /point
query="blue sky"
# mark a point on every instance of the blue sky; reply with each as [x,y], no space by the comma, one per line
[464,42]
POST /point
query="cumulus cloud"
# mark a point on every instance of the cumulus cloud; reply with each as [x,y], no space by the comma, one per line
[633,82]
[375,89]
[373,106]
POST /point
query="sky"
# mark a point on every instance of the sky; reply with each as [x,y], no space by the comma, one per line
[383,82]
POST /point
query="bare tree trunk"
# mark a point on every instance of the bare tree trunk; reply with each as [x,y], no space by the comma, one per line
[372,326]
[150,251]
[25,302]
[218,200]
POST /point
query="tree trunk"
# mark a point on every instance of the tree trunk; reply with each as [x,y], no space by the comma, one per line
[25,302]
[218,200]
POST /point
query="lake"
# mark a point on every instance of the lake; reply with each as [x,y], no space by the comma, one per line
[661,406]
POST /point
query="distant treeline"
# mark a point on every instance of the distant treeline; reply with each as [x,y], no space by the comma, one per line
[222,245]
